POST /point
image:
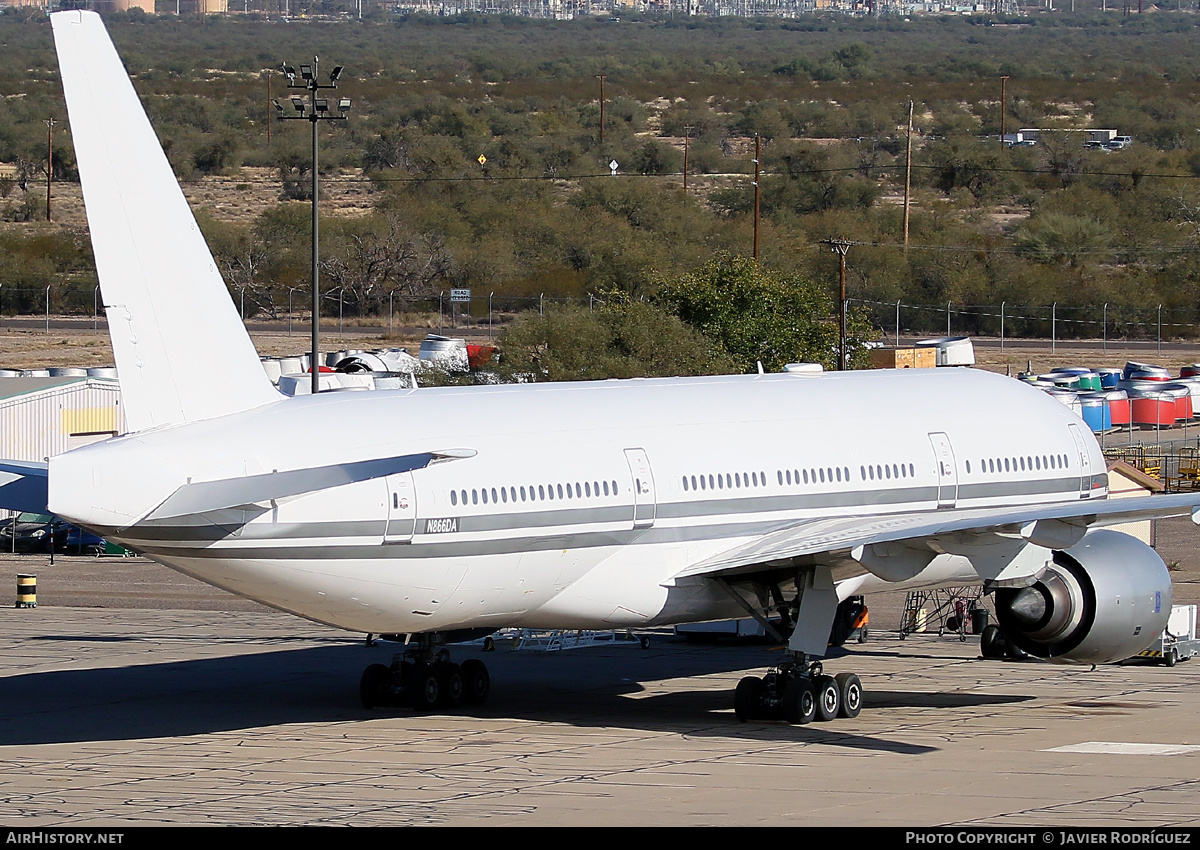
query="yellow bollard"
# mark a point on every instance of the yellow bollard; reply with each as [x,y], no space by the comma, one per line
[26,591]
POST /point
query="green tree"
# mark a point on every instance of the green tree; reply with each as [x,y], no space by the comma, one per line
[758,315]
[621,339]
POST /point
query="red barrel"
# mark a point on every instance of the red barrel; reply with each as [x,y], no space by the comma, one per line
[1118,407]
[1149,408]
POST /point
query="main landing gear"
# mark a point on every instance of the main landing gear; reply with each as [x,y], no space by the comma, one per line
[797,693]
[424,678]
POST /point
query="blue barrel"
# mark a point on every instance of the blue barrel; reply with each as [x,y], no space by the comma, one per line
[1109,378]
[1095,412]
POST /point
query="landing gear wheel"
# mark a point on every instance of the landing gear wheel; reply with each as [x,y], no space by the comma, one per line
[1171,657]
[450,685]
[828,698]
[850,689]
[747,699]
[425,688]
[644,642]
[476,681]
[991,642]
[799,702]
[371,686]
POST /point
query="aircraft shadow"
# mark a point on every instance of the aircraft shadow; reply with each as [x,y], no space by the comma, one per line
[588,688]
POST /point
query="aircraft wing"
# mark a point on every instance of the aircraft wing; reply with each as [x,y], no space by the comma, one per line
[23,486]
[908,537]
[204,496]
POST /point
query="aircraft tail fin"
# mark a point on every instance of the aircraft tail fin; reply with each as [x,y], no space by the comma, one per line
[182,352]
[23,486]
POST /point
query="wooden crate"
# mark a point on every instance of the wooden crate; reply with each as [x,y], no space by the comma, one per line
[903,358]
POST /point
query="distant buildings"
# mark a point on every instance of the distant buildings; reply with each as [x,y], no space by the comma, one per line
[552,9]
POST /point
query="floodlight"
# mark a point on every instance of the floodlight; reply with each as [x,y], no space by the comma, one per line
[344,104]
[306,71]
[298,103]
[321,105]
[335,73]
[278,105]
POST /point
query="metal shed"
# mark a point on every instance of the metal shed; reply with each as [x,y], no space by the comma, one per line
[43,417]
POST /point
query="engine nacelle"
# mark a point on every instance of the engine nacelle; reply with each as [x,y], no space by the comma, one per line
[1102,600]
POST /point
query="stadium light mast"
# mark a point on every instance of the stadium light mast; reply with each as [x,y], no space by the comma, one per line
[314,109]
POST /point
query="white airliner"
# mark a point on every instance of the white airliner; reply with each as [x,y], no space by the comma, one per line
[610,504]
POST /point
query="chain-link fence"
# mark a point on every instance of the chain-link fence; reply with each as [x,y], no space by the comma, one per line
[1103,322]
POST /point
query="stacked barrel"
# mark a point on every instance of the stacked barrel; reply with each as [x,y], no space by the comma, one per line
[1139,395]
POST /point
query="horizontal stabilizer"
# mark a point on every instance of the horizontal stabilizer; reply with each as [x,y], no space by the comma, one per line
[824,537]
[182,352]
[23,486]
[205,496]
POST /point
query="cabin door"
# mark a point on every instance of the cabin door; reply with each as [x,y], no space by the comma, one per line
[644,501]
[947,472]
[1085,462]
[402,508]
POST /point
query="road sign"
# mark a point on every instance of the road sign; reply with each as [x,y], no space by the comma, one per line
[460,296]
[613,165]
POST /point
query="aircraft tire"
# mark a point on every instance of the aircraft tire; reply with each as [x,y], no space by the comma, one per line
[452,690]
[828,696]
[477,684]
[747,699]
[370,686]
[991,642]
[425,688]
[800,702]
[850,688]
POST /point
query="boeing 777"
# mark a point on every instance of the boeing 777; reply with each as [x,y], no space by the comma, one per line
[610,504]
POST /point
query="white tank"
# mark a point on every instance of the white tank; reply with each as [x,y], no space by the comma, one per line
[951,350]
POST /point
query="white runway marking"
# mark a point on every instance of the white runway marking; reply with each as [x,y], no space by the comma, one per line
[1120,748]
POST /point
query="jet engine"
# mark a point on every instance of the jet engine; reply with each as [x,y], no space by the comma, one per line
[1103,600]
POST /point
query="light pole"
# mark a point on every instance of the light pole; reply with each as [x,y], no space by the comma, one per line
[50,122]
[314,109]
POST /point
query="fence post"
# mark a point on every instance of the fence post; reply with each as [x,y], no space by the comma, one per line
[440,294]
[95,308]
[1002,303]
[897,324]
[1054,327]
[948,303]
[391,312]
[1104,321]
[48,308]
[541,304]
[490,294]
[1159,325]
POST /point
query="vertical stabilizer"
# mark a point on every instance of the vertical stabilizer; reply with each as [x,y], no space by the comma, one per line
[182,352]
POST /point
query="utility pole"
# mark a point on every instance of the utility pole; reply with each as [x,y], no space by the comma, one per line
[1003,106]
[687,131]
[49,162]
[840,247]
[908,176]
[314,110]
[269,108]
[757,181]
[602,77]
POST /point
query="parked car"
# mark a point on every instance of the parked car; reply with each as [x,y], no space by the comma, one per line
[41,532]
[29,532]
